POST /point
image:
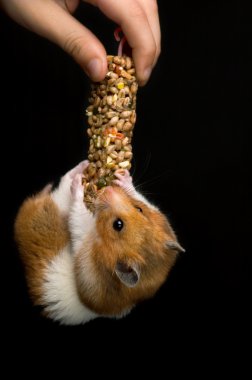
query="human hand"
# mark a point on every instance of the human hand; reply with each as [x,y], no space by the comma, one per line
[52,19]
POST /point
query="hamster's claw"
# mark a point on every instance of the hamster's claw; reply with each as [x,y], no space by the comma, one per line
[124,179]
[79,169]
[77,188]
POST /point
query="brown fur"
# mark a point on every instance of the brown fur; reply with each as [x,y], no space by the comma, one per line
[40,232]
[141,241]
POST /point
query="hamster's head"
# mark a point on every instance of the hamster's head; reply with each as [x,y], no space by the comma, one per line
[132,253]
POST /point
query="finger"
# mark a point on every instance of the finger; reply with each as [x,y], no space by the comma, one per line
[50,20]
[151,9]
[132,18]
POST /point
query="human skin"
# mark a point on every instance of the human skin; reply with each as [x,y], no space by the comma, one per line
[53,20]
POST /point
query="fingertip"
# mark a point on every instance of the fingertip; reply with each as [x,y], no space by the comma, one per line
[145,76]
[96,69]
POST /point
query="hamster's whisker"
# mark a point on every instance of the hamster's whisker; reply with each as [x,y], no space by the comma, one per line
[145,167]
[152,180]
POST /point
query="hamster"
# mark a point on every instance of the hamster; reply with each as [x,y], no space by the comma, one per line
[81,265]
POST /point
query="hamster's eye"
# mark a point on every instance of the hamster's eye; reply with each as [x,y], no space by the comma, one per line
[118,224]
[139,209]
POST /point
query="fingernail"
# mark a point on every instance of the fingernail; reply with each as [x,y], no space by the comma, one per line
[94,69]
[147,73]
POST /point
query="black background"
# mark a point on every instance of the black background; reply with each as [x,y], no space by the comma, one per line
[190,156]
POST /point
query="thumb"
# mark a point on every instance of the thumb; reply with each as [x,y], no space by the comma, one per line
[50,20]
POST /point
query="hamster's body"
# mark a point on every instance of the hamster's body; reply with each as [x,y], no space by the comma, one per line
[81,265]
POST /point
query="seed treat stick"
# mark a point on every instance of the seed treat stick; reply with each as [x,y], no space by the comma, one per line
[111,119]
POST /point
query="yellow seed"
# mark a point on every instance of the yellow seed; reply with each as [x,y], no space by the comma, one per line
[120,86]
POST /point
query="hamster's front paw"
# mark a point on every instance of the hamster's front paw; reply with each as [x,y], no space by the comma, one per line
[79,169]
[124,179]
[77,188]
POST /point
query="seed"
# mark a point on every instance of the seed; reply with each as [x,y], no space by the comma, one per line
[133,117]
[91,170]
[127,126]
[90,108]
[120,86]
[104,110]
[118,144]
[96,156]
[111,114]
[104,101]
[103,157]
[110,165]
[113,120]
[114,155]
[90,120]
[114,90]
[120,156]
[111,117]
[117,60]
[101,172]
[124,164]
[114,98]
[126,102]
[127,90]
[106,142]
[128,155]
[128,63]
[110,149]
[127,148]
[131,71]
[133,88]
[125,74]
[97,101]
[119,124]
[125,114]
[109,100]
[125,141]
[111,74]
[111,81]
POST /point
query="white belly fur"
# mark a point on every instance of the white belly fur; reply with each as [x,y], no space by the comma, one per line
[60,294]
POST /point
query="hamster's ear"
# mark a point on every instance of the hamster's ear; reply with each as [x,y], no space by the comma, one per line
[129,275]
[174,245]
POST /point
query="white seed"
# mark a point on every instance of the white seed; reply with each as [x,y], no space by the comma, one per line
[114,155]
[110,148]
[114,98]
[128,148]
[125,141]
[106,142]
[109,100]
[114,90]
[124,164]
